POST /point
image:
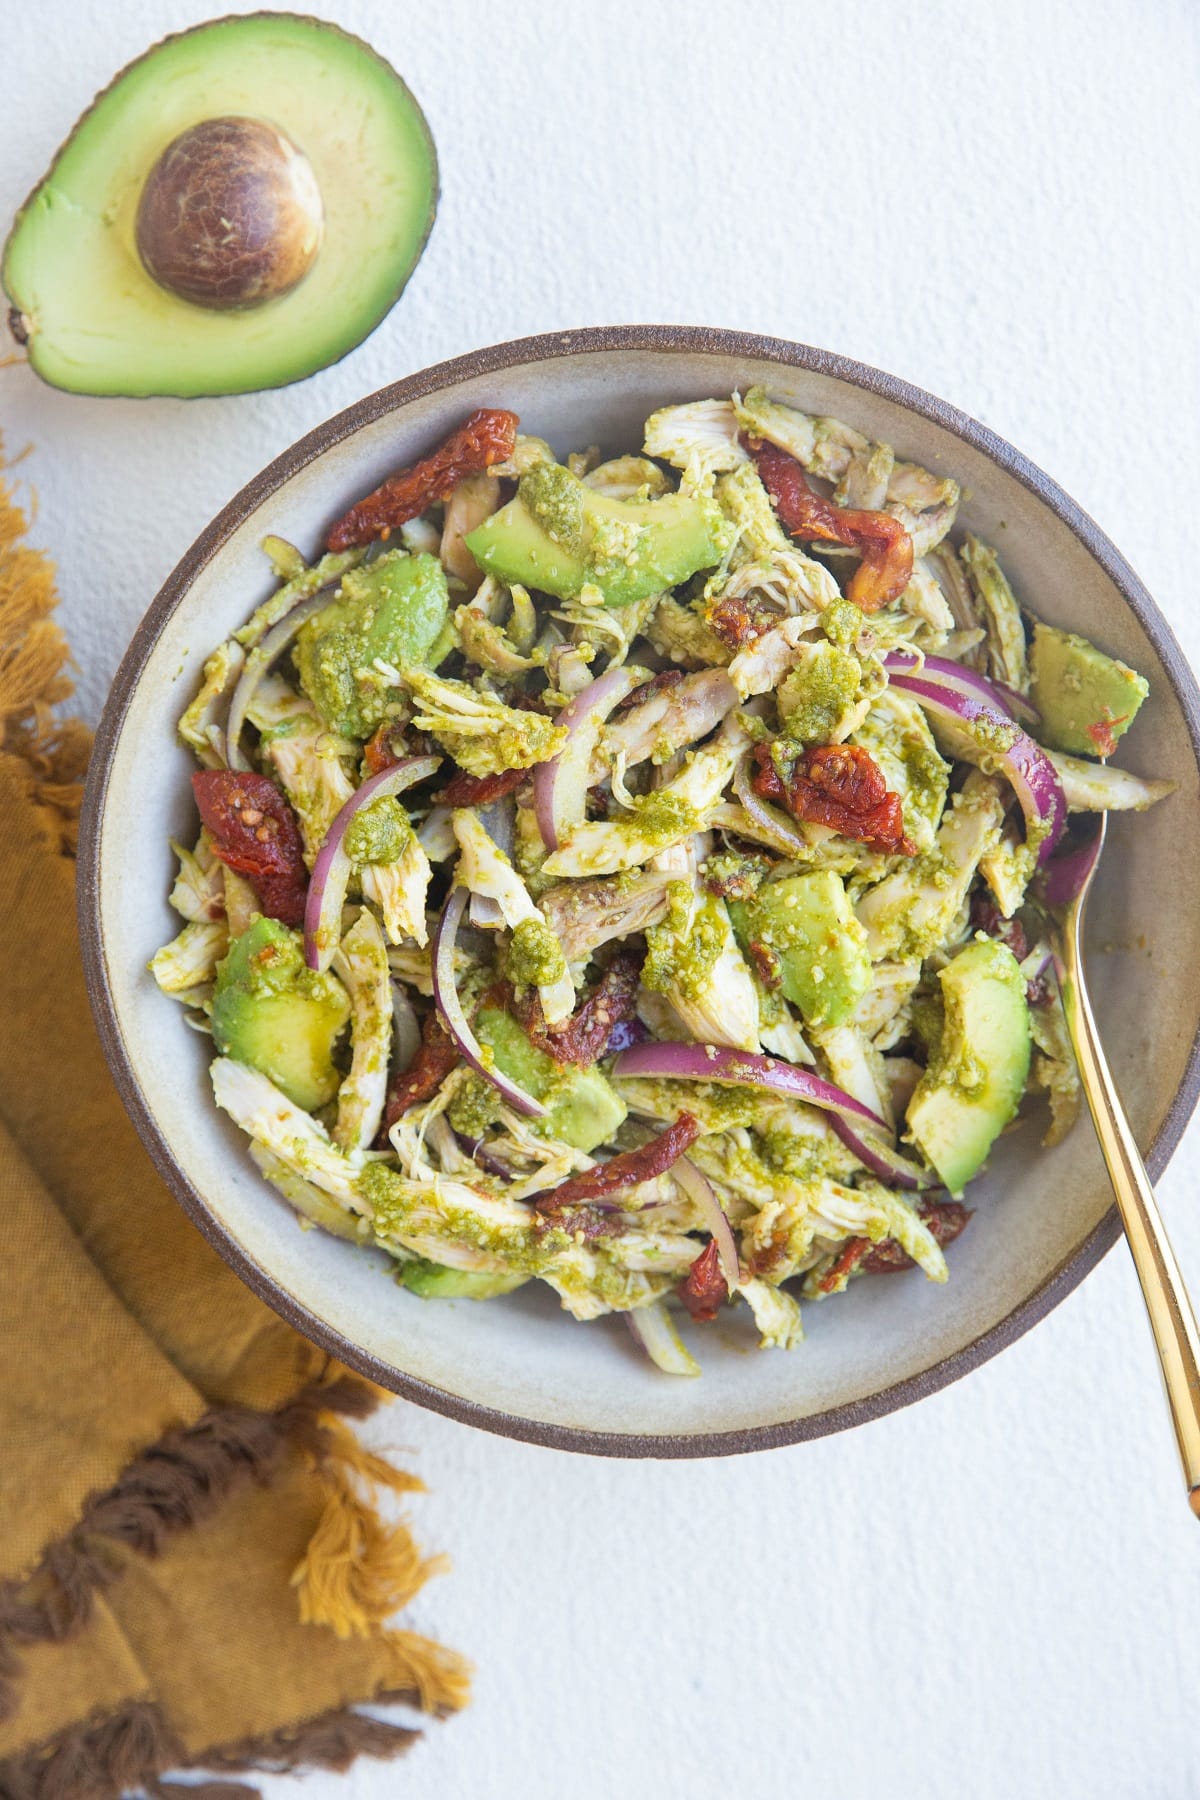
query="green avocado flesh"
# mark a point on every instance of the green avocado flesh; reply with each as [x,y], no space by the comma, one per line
[560,536]
[1087,699]
[433,1281]
[582,1108]
[391,610]
[808,922]
[94,320]
[276,1016]
[977,1073]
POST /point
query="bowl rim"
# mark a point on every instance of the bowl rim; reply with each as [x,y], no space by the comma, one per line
[494,359]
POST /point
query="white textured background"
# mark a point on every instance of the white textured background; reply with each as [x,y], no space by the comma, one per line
[996,1593]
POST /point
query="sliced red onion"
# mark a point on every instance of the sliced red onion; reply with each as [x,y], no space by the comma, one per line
[445,994]
[259,662]
[406,1029]
[560,785]
[624,1035]
[654,1329]
[333,868]
[1025,763]
[1064,879]
[743,1068]
[882,1159]
[775,826]
[499,821]
[969,681]
[479,1153]
[700,1190]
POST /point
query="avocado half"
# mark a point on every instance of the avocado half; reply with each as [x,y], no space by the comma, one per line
[94,320]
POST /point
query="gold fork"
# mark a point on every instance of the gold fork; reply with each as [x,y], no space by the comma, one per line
[1067,883]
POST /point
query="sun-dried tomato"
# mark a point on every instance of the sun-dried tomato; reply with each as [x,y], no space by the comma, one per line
[839,785]
[987,917]
[385,749]
[737,621]
[480,790]
[852,1252]
[627,1169]
[487,437]
[765,963]
[585,1036]
[703,1289]
[945,1220]
[254,832]
[882,542]
[666,678]
[1103,734]
[422,1078]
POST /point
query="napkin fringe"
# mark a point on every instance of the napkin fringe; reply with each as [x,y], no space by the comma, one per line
[131,1751]
[352,1577]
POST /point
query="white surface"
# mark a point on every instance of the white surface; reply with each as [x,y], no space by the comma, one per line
[993,1593]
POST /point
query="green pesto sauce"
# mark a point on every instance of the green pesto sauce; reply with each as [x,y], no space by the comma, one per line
[815,695]
[842,622]
[379,833]
[535,957]
[474,1107]
[733,876]
[556,499]
[391,610]
[793,1153]
[995,736]
[663,817]
[679,960]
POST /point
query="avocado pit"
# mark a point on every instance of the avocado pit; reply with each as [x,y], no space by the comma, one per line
[230,215]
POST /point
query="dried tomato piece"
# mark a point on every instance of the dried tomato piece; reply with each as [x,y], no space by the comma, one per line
[882,542]
[254,832]
[384,750]
[852,1252]
[765,963]
[480,790]
[586,1035]
[987,917]
[487,437]
[839,785]
[1104,736]
[736,622]
[624,1170]
[945,1219]
[422,1078]
[703,1289]
[666,678]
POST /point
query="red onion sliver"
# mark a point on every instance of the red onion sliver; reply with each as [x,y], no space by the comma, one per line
[968,681]
[699,1188]
[743,1068]
[560,785]
[881,1159]
[332,869]
[1064,879]
[259,662]
[445,995]
[775,826]
[1025,763]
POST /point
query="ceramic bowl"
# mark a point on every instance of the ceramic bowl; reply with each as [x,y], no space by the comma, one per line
[519,1365]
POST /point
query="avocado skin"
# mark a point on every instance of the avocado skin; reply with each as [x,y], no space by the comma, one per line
[1074,686]
[292,357]
[807,920]
[559,536]
[583,1109]
[433,1281]
[977,1073]
[276,1016]
[392,609]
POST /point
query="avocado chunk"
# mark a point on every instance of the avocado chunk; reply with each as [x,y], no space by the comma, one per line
[433,1281]
[807,922]
[583,1109]
[976,1075]
[1087,699]
[391,610]
[559,536]
[276,1016]
[331,149]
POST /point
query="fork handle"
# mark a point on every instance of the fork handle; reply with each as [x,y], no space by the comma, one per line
[1171,1317]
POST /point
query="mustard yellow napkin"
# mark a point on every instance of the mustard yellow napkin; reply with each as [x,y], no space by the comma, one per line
[194,1571]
